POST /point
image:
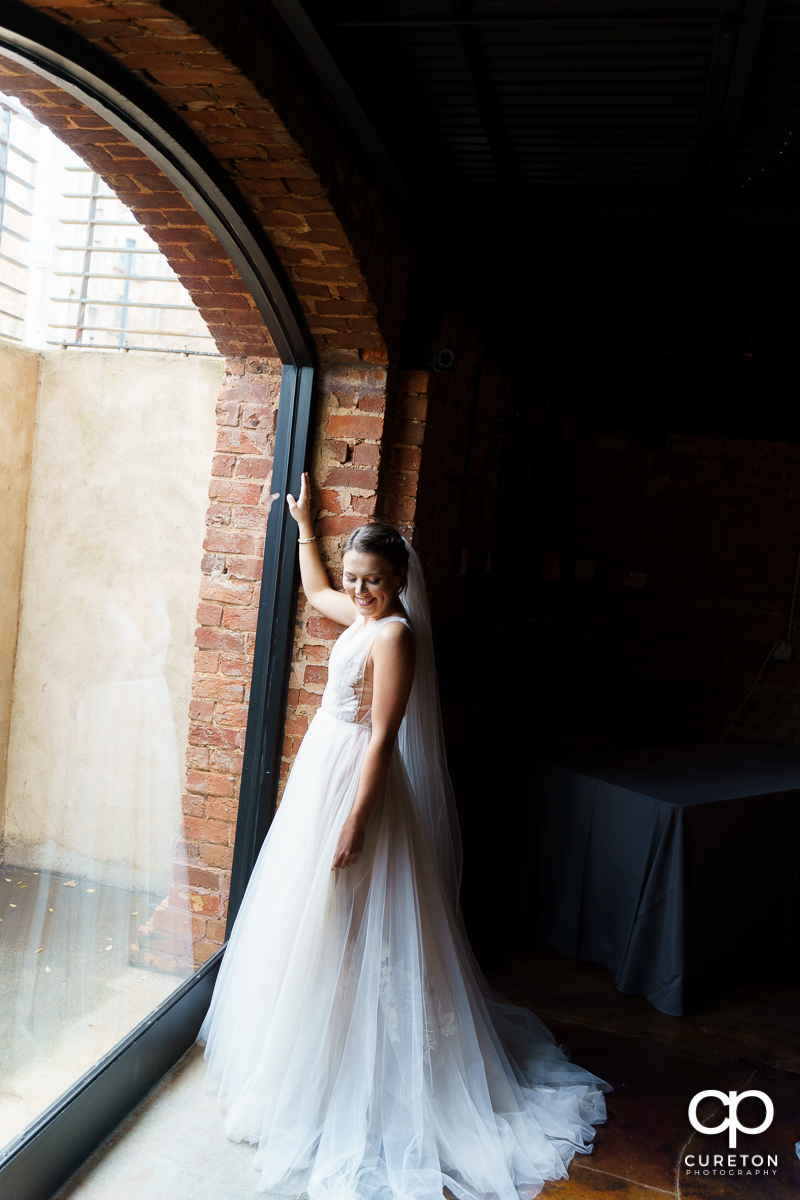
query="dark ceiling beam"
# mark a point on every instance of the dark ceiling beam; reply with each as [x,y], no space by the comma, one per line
[719,74]
[738,31]
[502,157]
[317,53]
[521,22]
[638,315]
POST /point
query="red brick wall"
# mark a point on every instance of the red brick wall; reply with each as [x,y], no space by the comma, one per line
[460,475]
[376,454]
[304,208]
[402,460]
[193,252]
[190,923]
[256,41]
[347,457]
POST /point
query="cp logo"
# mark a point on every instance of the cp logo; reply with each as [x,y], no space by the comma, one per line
[731,1122]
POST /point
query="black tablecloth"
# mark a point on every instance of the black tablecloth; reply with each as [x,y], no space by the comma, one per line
[668,866]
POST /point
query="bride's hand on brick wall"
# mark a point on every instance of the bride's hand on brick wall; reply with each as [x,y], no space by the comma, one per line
[301,507]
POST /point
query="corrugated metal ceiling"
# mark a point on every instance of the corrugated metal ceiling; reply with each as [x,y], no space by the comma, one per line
[539,99]
[588,155]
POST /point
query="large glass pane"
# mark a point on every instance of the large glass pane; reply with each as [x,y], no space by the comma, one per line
[106,458]
[76,267]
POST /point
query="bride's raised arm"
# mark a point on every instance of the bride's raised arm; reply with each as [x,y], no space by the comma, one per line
[316,585]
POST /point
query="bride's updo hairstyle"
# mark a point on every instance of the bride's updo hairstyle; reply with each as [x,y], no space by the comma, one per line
[377,538]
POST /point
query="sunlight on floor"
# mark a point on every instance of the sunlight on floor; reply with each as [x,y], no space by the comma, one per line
[172,1147]
[62,1008]
[32,1088]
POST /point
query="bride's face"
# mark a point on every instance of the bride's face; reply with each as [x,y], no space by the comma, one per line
[371,583]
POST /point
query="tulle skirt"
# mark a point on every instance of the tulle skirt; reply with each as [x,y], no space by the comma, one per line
[352,1036]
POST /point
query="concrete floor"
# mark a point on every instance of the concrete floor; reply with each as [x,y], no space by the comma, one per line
[173,1148]
[68,993]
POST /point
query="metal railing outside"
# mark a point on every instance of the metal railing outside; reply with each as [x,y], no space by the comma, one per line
[149,309]
[86,321]
[8,149]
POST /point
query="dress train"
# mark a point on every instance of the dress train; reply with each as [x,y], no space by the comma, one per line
[352,1036]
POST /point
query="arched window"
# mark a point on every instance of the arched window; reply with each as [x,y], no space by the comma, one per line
[103,325]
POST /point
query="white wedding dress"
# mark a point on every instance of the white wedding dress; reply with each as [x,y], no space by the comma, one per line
[351,1035]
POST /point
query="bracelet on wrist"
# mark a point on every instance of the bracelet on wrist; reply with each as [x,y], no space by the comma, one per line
[302,541]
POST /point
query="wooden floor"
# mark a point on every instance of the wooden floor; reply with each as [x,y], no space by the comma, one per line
[745,1036]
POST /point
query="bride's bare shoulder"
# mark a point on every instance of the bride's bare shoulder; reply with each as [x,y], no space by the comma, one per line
[396,637]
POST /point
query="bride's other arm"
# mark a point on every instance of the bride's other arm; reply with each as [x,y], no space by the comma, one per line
[316,584]
[393,654]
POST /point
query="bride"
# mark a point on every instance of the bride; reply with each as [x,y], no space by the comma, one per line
[351,1035]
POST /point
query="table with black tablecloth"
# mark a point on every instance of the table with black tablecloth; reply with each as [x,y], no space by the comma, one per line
[668,866]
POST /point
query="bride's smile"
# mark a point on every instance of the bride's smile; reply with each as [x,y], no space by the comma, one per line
[371,583]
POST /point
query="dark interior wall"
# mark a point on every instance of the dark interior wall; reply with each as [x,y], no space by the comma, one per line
[691,543]
[644,552]
[462,472]
[663,488]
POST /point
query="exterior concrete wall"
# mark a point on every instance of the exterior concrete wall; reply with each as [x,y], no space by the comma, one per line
[19,378]
[121,459]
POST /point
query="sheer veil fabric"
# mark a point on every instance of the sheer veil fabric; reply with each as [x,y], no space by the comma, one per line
[351,1035]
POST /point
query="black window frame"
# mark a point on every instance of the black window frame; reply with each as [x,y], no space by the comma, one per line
[42,1158]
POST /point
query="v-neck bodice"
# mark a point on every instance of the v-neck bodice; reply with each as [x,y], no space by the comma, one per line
[348,693]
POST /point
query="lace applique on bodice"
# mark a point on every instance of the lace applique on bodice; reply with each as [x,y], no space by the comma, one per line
[348,694]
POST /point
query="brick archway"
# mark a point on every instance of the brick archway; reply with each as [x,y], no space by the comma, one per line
[340,291]
[293,206]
